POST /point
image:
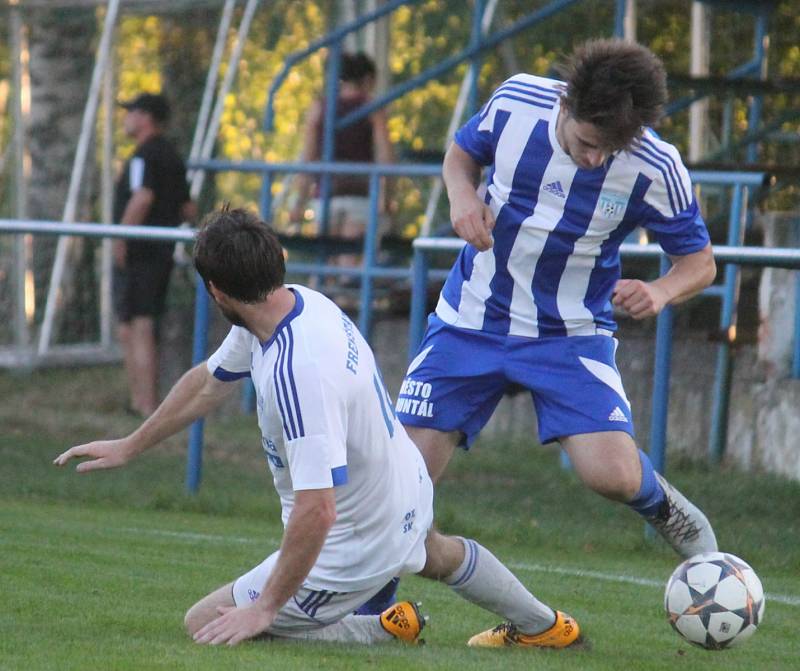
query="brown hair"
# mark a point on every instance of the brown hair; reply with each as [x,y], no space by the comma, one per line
[240,254]
[618,86]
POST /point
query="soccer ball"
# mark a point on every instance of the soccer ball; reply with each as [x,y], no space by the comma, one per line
[714,600]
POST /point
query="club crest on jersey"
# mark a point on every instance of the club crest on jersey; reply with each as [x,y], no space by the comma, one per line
[611,204]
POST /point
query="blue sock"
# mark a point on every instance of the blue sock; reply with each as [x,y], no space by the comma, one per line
[382,600]
[650,496]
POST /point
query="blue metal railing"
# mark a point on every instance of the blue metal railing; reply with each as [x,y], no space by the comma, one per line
[322,167]
[369,270]
[419,274]
[200,342]
[478,44]
[620,10]
[487,42]
[194,458]
[374,171]
[755,67]
[333,38]
[476,35]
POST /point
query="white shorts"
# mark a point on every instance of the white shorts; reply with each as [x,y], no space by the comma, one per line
[313,608]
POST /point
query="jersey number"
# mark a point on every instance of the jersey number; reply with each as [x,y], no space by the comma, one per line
[387,407]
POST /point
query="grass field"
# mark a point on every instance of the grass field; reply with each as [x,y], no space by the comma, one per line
[97,570]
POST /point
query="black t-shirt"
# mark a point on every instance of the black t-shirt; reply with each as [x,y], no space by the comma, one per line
[157,166]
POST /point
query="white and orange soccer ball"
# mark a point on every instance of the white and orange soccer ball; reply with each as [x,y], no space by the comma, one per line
[714,600]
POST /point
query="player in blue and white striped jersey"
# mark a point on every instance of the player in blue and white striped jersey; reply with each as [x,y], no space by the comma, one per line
[572,169]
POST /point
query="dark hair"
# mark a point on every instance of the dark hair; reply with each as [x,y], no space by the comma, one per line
[240,254]
[356,67]
[618,86]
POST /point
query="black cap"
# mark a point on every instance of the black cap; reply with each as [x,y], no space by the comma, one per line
[153,103]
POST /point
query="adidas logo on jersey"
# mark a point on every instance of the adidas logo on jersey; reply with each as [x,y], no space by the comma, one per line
[617,415]
[556,189]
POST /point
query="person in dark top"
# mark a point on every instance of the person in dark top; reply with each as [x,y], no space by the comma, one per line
[365,141]
[151,191]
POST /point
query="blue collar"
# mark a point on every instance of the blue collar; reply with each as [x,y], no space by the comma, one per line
[296,310]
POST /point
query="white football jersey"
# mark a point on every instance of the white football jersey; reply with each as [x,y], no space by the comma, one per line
[327,420]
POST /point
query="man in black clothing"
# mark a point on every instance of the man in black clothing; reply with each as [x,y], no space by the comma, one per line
[151,191]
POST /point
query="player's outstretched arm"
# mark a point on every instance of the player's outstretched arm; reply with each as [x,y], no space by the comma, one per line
[193,396]
[472,219]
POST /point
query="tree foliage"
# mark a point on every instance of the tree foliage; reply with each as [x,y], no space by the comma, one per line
[173,50]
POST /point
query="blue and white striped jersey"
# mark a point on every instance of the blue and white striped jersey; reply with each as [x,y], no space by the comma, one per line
[555,258]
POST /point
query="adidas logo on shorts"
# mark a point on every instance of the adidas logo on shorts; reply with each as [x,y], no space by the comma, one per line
[617,415]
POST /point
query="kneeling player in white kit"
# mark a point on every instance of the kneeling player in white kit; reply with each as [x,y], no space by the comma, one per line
[356,498]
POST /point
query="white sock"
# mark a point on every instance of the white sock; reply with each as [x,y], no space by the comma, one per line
[486,582]
[364,629]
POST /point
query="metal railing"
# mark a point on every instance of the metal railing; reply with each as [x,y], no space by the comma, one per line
[423,247]
[480,42]
[420,275]
[369,269]
[200,341]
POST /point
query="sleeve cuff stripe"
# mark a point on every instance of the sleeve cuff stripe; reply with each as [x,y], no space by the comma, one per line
[228,376]
[339,475]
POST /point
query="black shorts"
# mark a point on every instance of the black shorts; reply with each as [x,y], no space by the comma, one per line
[140,289]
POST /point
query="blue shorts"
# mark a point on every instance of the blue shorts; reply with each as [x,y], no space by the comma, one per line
[459,376]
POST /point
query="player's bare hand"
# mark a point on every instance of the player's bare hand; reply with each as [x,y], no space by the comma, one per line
[473,221]
[639,299]
[102,453]
[235,625]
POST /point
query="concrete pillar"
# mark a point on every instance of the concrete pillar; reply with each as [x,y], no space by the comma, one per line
[776,299]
